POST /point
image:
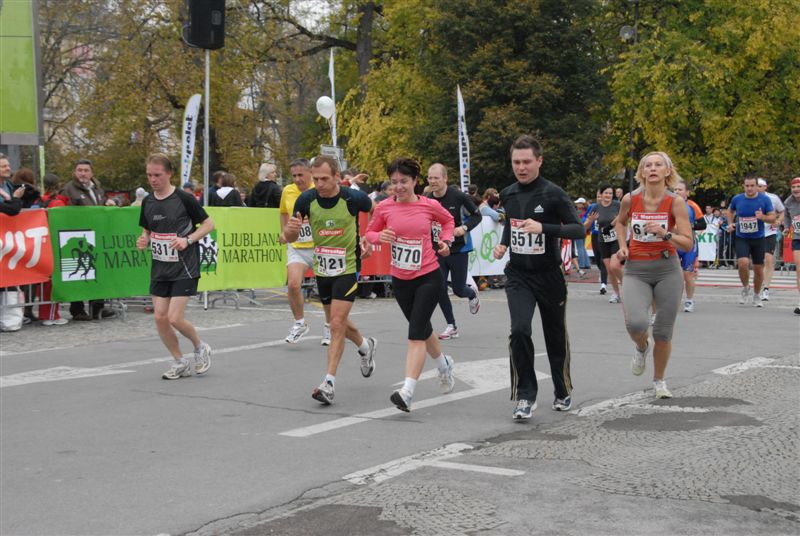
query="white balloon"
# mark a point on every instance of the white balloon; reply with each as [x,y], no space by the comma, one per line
[326,107]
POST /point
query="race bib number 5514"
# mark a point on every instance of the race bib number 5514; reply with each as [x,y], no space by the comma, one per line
[523,242]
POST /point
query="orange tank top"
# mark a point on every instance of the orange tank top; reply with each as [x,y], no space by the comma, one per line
[648,246]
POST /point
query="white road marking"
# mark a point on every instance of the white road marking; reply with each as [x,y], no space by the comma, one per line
[431,458]
[74,373]
[225,326]
[737,368]
[668,409]
[477,468]
[484,376]
[610,405]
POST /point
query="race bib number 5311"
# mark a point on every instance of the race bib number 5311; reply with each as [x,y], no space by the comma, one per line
[161,247]
[523,242]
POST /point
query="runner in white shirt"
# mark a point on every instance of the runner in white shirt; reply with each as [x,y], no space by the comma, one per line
[771,234]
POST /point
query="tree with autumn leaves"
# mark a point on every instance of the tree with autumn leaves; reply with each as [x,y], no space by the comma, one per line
[712,82]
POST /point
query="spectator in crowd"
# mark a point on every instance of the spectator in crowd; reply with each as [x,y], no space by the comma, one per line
[724,240]
[358,181]
[580,245]
[267,192]
[141,193]
[85,191]
[5,176]
[226,195]
[24,178]
[472,190]
[216,183]
[619,193]
[48,312]
[490,205]
[12,203]
[188,187]
[384,192]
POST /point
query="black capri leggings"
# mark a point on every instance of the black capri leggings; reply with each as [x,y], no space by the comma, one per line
[418,299]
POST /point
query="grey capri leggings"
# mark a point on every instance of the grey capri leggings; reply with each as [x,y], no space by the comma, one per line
[645,282]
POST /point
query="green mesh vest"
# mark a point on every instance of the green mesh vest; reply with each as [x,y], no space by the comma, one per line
[335,239]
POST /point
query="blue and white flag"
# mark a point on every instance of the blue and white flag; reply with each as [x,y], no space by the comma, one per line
[463,143]
[190,116]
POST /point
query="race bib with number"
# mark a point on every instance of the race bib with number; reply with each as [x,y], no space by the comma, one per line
[305,233]
[639,221]
[748,225]
[796,227]
[525,243]
[407,253]
[330,261]
[611,236]
[436,230]
[161,247]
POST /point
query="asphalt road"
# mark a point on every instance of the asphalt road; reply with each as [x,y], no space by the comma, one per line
[94,442]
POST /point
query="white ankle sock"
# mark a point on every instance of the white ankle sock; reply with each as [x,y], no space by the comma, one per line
[331,379]
[409,385]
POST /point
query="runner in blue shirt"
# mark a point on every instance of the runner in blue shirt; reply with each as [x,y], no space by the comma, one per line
[747,213]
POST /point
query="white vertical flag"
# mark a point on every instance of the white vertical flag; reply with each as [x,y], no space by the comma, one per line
[190,116]
[333,97]
[463,143]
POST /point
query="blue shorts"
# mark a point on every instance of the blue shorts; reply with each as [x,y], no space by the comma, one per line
[795,244]
[751,247]
[688,259]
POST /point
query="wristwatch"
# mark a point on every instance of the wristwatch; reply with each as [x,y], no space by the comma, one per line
[667,237]
[189,241]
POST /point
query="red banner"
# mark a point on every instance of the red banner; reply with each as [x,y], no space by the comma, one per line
[380,261]
[26,255]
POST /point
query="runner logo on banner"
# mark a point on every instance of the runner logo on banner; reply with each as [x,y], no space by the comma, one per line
[78,255]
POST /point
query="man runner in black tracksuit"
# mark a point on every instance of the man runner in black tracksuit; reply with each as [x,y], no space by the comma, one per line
[538,215]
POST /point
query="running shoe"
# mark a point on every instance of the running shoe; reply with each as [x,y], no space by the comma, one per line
[757,301]
[562,404]
[797,310]
[582,274]
[652,319]
[688,306]
[524,410]
[475,304]
[765,294]
[446,379]
[179,369]
[639,361]
[602,288]
[615,298]
[368,359]
[56,322]
[297,332]
[661,390]
[202,358]
[323,393]
[744,295]
[402,399]
[326,335]
[450,332]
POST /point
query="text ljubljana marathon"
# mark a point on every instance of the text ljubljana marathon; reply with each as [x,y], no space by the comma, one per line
[271,248]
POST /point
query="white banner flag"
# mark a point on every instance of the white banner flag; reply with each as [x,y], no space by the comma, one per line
[190,116]
[463,143]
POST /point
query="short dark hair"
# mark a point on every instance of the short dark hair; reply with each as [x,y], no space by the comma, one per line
[228,179]
[51,182]
[526,141]
[324,159]
[605,186]
[84,162]
[406,166]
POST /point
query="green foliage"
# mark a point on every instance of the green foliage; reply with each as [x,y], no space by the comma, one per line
[714,84]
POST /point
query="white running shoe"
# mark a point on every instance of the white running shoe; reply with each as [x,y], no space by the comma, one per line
[523,410]
[180,369]
[323,393]
[475,304]
[326,335]
[202,358]
[615,298]
[765,295]
[450,332]
[639,361]
[660,387]
[744,295]
[757,301]
[56,322]
[297,332]
[688,306]
[368,360]
[402,399]
[446,380]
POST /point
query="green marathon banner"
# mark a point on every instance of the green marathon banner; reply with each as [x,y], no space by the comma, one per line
[243,251]
[95,254]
